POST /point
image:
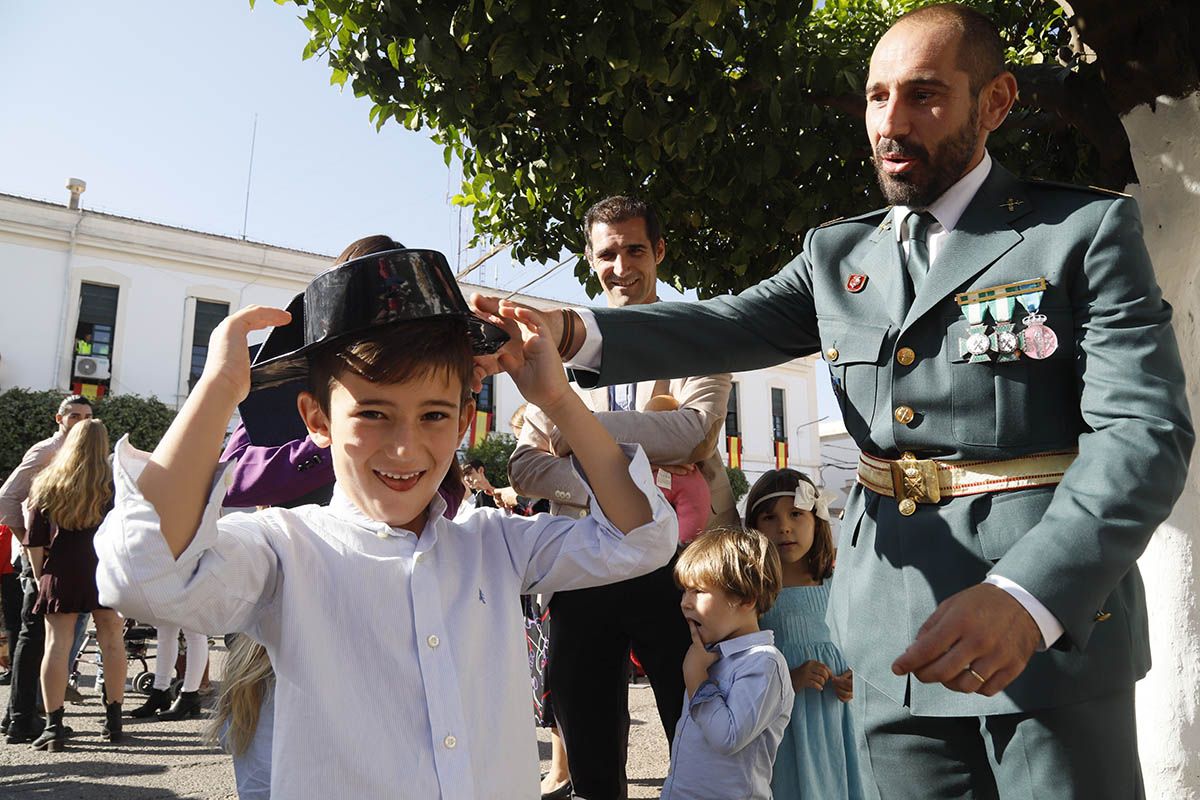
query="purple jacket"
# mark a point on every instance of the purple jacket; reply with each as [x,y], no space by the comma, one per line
[265,476]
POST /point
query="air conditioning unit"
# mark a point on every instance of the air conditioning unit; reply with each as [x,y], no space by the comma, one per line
[91,368]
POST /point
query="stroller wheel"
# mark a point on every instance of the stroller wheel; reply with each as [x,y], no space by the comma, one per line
[144,682]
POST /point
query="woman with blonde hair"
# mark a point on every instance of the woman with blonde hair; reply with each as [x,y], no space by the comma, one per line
[245,716]
[67,502]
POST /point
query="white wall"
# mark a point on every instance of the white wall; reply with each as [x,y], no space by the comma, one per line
[1166,150]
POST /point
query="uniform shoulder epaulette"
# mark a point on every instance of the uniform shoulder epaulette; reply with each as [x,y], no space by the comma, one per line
[1077,187]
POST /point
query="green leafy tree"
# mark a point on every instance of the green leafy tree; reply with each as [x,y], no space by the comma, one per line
[741,120]
[737,482]
[494,452]
[145,419]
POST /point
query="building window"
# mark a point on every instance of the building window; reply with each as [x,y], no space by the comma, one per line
[732,426]
[92,350]
[208,317]
[778,422]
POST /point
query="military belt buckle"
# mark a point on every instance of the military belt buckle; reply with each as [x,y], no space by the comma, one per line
[914,480]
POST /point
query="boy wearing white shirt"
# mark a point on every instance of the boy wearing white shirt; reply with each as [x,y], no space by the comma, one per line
[378,582]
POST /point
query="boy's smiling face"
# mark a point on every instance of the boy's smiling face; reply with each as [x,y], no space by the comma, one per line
[391,444]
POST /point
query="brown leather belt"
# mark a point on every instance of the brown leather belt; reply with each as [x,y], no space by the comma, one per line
[913,480]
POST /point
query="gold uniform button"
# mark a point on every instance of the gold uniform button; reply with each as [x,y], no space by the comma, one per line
[832,354]
[905,356]
[903,414]
[1103,616]
[907,506]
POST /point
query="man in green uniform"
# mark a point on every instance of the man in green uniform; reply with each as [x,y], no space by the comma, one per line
[1004,358]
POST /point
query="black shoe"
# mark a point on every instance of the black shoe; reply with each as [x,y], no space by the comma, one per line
[561,793]
[187,704]
[6,678]
[159,700]
[111,730]
[22,730]
[4,723]
[54,735]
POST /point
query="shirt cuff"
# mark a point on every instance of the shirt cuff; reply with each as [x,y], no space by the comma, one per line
[588,357]
[1047,623]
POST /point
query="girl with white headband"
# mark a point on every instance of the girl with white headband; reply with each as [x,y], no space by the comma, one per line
[817,757]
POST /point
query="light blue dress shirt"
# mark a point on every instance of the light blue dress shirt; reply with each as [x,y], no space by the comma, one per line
[726,740]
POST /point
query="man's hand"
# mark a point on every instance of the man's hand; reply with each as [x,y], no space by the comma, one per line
[843,686]
[981,630]
[810,675]
[488,308]
[696,661]
[506,498]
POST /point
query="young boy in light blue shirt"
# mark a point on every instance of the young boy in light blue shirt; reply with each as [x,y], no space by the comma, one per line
[739,693]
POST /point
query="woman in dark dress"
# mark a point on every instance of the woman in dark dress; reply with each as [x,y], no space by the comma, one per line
[67,503]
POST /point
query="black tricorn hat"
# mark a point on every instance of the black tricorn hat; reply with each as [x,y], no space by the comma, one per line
[343,304]
[354,298]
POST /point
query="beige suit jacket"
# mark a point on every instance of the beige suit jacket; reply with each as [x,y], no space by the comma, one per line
[540,466]
[16,488]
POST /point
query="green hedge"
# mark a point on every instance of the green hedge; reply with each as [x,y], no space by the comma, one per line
[494,452]
[27,417]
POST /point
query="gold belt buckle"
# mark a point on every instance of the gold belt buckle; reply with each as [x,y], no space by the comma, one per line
[914,480]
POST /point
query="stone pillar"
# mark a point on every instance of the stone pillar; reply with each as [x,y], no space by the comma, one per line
[1166,152]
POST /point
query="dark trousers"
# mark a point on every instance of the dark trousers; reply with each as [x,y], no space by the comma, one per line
[27,658]
[13,597]
[591,631]
[1085,750]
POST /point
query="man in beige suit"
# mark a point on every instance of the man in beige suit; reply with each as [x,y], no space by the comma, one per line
[591,630]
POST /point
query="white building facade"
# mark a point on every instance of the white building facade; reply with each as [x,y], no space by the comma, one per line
[97,303]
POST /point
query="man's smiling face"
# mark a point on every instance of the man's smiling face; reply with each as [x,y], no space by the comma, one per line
[625,261]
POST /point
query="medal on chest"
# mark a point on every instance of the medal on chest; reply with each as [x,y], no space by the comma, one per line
[1037,340]
[1004,340]
[975,346]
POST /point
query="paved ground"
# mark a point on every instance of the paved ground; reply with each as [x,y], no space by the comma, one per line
[159,760]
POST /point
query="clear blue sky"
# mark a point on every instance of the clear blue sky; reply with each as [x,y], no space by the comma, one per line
[153,103]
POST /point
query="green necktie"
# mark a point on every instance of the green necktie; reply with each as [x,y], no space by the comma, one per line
[917,226]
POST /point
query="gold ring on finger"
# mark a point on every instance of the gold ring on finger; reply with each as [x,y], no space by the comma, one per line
[977,676]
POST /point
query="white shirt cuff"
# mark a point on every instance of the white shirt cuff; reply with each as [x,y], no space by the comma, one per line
[588,357]
[1047,623]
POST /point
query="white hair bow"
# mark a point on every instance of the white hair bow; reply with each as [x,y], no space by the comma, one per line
[806,498]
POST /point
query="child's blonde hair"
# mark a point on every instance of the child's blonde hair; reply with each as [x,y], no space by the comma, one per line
[75,488]
[248,674]
[742,562]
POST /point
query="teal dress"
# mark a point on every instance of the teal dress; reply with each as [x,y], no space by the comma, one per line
[817,757]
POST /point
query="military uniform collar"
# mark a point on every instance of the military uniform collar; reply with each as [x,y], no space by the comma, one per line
[948,209]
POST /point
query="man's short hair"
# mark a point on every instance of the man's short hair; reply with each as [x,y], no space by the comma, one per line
[73,400]
[619,208]
[741,561]
[980,48]
[475,463]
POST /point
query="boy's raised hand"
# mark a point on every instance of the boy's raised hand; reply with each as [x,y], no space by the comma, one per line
[534,365]
[228,361]
[810,675]
[488,308]
[696,661]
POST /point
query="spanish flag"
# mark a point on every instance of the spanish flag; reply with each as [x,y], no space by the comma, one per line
[781,455]
[480,427]
[733,446]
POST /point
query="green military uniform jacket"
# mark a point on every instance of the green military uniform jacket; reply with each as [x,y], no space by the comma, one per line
[1114,388]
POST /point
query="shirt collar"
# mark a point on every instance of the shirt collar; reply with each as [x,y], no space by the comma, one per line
[342,506]
[738,644]
[948,209]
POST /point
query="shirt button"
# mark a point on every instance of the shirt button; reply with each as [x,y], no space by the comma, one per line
[433,640]
[450,742]
[903,414]
[582,513]
[905,356]
[832,354]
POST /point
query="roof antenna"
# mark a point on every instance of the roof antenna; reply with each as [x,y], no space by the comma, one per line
[249,173]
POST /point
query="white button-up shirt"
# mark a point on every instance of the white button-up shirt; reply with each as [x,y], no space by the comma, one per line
[401,669]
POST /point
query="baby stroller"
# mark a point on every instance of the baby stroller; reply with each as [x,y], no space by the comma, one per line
[138,639]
